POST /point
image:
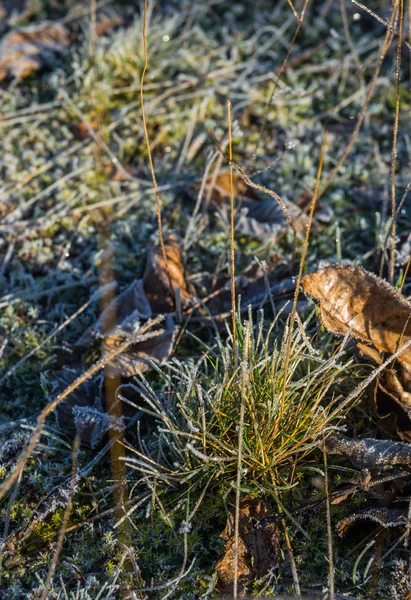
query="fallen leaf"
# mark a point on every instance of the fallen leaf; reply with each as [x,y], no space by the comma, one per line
[356,301]
[24,51]
[219,188]
[128,310]
[258,547]
[385,517]
[266,221]
[368,453]
[164,279]
[263,219]
[138,357]
[81,128]
[87,397]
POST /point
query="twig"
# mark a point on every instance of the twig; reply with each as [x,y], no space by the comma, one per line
[329,528]
[150,158]
[232,231]
[394,143]
[300,274]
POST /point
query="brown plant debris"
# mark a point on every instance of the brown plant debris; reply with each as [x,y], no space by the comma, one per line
[164,280]
[392,404]
[155,348]
[368,453]
[24,51]
[257,547]
[385,517]
[128,310]
[259,218]
[356,301]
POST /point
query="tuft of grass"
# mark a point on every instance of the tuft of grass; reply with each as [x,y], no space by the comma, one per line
[194,446]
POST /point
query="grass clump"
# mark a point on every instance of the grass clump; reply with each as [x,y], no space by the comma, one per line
[229,401]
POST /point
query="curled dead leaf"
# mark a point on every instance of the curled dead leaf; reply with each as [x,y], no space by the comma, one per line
[156,348]
[356,301]
[385,517]
[260,218]
[24,51]
[164,279]
[258,547]
[127,311]
[254,285]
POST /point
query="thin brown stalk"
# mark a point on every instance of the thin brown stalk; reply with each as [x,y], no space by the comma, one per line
[291,558]
[394,141]
[380,20]
[329,528]
[300,275]
[295,13]
[232,232]
[150,158]
[405,273]
[239,461]
[59,399]
[251,183]
[64,523]
[384,48]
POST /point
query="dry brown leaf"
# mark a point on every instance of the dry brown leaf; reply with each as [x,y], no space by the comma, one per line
[123,317]
[258,547]
[352,299]
[138,356]
[128,310]
[24,51]
[163,280]
[220,191]
[260,218]
[385,517]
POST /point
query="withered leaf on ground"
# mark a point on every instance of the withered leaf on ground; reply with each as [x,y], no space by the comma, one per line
[219,188]
[164,279]
[137,303]
[352,299]
[122,317]
[258,547]
[260,218]
[87,397]
[385,517]
[369,453]
[137,358]
[24,51]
